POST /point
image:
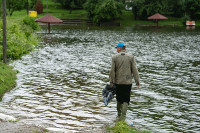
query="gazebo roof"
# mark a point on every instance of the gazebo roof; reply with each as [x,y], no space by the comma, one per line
[157,16]
[48,19]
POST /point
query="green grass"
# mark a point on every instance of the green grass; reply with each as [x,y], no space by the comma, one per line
[122,127]
[7,79]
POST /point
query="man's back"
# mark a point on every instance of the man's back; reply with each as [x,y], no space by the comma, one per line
[123,68]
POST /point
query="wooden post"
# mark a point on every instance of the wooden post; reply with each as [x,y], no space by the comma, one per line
[4,33]
[48,27]
[157,22]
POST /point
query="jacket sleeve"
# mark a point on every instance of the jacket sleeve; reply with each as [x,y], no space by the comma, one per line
[134,71]
[112,71]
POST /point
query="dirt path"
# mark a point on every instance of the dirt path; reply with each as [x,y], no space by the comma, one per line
[19,127]
[9,124]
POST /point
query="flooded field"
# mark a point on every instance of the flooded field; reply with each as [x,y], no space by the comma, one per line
[60,84]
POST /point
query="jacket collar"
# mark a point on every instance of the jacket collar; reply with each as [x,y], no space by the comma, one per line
[122,51]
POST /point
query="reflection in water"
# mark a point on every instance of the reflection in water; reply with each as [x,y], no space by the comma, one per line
[59,85]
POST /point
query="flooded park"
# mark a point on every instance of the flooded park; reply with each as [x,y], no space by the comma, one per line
[60,83]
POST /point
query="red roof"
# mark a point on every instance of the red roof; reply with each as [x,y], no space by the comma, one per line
[157,16]
[48,19]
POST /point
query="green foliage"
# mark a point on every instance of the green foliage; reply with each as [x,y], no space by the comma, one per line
[179,8]
[193,9]
[122,127]
[103,10]
[7,78]
[14,5]
[145,8]
[30,21]
[90,7]
[32,4]
[20,39]
[69,4]
[1,8]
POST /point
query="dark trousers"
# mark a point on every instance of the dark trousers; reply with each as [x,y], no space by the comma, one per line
[123,93]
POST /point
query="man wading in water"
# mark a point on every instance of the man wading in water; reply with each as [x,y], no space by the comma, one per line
[123,69]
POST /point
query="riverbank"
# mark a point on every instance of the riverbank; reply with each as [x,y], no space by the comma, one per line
[9,124]
[21,39]
[7,78]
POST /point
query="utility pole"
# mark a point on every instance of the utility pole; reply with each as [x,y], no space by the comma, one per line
[47,6]
[4,33]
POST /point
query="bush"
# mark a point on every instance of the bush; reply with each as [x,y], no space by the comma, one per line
[20,40]
[30,21]
[103,10]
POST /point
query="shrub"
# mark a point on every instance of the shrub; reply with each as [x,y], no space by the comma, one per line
[30,21]
[39,7]
[20,40]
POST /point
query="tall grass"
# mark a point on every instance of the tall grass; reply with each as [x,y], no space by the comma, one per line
[122,127]
[7,78]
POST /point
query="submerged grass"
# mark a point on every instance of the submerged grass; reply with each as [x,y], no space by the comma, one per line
[7,78]
[122,127]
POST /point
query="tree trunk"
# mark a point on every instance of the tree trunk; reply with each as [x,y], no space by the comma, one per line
[27,8]
[47,6]
[4,33]
[70,11]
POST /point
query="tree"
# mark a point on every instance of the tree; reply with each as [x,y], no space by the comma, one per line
[71,4]
[39,7]
[103,10]
[177,7]
[1,8]
[15,5]
[145,8]
[193,9]
[32,4]
[90,7]
[136,5]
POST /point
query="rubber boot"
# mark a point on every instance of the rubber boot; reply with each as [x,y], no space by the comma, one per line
[119,110]
[124,110]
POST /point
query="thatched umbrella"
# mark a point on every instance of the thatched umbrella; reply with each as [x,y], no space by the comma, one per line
[157,17]
[48,19]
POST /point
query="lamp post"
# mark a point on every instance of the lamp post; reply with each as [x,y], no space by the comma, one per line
[4,32]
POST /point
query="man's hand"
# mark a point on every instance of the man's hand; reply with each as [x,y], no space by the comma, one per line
[111,84]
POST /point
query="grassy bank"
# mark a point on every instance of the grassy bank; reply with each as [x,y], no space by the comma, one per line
[21,39]
[7,78]
[122,127]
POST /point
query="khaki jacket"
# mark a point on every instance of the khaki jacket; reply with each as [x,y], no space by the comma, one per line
[123,69]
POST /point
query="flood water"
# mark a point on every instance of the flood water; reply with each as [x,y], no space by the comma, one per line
[60,84]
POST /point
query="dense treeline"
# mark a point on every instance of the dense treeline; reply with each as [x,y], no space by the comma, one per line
[104,10]
[141,8]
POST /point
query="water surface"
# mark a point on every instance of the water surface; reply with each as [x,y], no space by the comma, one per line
[60,83]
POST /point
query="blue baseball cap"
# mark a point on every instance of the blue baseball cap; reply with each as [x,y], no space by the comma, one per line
[120,45]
